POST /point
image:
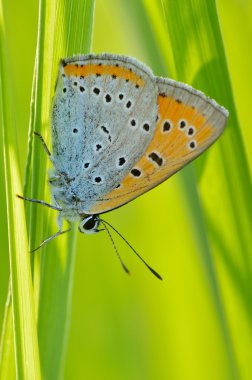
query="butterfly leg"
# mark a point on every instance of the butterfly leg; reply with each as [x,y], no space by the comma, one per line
[50,238]
[58,208]
[45,147]
[60,232]
[55,201]
[51,157]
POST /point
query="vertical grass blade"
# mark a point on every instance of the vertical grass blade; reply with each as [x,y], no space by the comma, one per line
[65,29]
[25,333]
[7,357]
[198,58]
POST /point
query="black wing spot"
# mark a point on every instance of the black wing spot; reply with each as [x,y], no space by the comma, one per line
[121,96]
[146,127]
[105,130]
[178,101]
[75,83]
[128,104]
[190,131]
[86,165]
[113,76]
[64,89]
[156,158]
[121,161]
[136,172]
[96,91]
[98,147]
[166,126]
[182,124]
[75,130]
[82,89]
[108,98]
[133,122]
[192,145]
[98,179]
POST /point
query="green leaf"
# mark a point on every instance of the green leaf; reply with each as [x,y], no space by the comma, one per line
[7,356]
[25,333]
[198,58]
[64,29]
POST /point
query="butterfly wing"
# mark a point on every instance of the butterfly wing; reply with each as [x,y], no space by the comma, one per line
[103,118]
[188,123]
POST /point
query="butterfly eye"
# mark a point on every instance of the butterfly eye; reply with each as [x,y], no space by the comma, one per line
[89,225]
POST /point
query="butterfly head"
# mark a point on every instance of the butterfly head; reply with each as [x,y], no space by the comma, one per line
[89,224]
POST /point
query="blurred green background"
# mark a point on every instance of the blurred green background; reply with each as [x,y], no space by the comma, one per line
[197,323]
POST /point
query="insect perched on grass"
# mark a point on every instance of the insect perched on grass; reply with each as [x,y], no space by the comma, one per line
[117,132]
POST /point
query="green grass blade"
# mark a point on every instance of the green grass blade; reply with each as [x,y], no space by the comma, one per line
[56,39]
[198,58]
[7,356]
[64,29]
[25,333]
[4,267]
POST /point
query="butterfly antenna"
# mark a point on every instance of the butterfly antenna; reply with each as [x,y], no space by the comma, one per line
[116,250]
[137,254]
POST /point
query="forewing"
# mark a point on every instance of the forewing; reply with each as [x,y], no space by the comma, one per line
[103,118]
[188,123]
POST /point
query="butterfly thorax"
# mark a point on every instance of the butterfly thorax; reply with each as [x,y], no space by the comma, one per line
[64,196]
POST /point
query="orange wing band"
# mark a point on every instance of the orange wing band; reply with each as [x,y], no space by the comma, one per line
[117,71]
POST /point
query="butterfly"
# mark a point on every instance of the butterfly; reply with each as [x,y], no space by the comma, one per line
[118,131]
